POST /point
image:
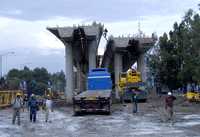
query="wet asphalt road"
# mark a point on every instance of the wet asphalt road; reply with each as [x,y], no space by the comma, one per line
[121,123]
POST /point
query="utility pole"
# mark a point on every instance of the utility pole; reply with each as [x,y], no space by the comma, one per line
[1,62]
[0,66]
[139,30]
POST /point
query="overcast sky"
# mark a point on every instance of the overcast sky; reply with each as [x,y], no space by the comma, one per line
[23,25]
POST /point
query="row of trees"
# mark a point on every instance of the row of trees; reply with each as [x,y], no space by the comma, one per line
[37,80]
[176,61]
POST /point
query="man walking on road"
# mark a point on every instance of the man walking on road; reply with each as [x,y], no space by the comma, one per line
[169,100]
[48,107]
[33,106]
[17,104]
[135,101]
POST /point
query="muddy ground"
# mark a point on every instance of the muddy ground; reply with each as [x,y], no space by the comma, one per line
[148,122]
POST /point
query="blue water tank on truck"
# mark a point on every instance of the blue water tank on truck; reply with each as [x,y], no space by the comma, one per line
[99,79]
[97,97]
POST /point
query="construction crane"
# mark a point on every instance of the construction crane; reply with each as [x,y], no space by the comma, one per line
[129,81]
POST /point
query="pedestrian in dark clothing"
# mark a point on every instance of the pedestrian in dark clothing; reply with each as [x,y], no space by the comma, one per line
[169,100]
[135,101]
[33,107]
[17,104]
[184,89]
[158,89]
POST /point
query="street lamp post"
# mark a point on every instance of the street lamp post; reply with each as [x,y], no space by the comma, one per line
[1,61]
[0,66]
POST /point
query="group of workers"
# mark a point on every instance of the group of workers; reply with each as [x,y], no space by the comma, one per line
[32,104]
[192,87]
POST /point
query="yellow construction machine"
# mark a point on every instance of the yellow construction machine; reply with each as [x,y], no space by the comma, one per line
[193,96]
[122,82]
[133,76]
[131,80]
[6,96]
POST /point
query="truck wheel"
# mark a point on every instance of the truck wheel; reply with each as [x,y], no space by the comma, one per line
[76,113]
[109,109]
[108,112]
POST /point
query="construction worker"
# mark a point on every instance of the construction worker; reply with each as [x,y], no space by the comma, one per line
[169,105]
[17,104]
[189,88]
[158,89]
[135,101]
[25,102]
[48,107]
[33,107]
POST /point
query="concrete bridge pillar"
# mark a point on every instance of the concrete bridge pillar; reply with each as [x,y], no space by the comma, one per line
[71,37]
[106,65]
[69,73]
[117,69]
[92,54]
[141,66]
[80,79]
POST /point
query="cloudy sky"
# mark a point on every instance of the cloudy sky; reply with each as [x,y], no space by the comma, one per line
[23,25]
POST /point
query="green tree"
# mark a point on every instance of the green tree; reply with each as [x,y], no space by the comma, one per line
[58,81]
[26,74]
[13,83]
[178,60]
[14,73]
[41,75]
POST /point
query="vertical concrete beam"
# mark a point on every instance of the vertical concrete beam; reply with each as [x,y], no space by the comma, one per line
[80,79]
[92,54]
[69,73]
[107,63]
[117,69]
[141,66]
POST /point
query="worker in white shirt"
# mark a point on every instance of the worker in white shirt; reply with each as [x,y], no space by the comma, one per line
[48,108]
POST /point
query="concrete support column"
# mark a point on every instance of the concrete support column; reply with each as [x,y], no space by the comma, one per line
[80,79]
[69,73]
[106,64]
[141,66]
[92,54]
[118,70]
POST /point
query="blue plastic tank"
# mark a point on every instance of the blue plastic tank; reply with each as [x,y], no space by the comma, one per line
[99,79]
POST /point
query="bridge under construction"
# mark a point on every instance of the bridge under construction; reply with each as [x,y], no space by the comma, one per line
[81,45]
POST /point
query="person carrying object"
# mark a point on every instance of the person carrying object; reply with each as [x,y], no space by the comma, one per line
[17,104]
